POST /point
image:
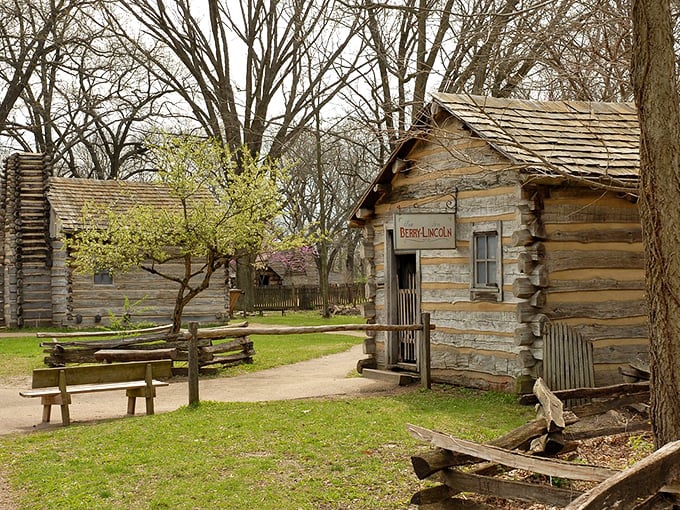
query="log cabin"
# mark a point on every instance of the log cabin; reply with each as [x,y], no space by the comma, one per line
[40,287]
[515,225]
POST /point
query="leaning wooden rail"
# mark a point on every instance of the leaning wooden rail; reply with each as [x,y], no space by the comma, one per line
[94,334]
[237,330]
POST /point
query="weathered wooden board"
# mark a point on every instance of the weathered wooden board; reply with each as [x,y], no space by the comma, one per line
[515,460]
[458,481]
[601,392]
[605,259]
[100,374]
[597,310]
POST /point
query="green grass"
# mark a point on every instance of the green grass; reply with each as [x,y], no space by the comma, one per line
[309,454]
[306,454]
[19,356]
[301,319]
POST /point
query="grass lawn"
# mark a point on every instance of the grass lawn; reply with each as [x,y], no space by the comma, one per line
[307,454]
[20,355]
[300,319]
[351,453]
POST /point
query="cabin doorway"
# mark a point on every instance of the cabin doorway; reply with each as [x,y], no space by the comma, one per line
[407,308]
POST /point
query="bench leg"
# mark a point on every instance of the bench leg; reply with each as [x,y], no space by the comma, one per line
[65,415]
[61,401]
[65,399]
[147,394]
[47,413]
[150,390]
[131,405]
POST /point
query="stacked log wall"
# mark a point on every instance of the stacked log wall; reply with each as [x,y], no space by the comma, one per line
[27,252]
[530,286]
[473,343]
[371,347]
[595,257]
[3,265]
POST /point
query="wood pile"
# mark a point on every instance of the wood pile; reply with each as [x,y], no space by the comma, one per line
[501,468]
[216,346]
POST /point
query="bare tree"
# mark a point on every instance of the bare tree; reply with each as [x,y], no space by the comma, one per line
[30,30]
[244,67]
[593,63]
[656,95]
[475,46]
[334,164]
[250,73]
[92,109]
[565,49]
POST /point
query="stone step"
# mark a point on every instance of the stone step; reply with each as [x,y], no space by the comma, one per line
[398,378]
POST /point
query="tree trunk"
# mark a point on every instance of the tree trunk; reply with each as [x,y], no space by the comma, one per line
[653,75]
[245,281]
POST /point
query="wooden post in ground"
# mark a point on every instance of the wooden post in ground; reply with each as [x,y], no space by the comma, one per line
[425,351]
[193,364]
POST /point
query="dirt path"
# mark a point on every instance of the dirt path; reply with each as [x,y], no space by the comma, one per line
[319,377]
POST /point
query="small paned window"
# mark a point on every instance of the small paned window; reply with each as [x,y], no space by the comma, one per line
[103,277]
[485,260]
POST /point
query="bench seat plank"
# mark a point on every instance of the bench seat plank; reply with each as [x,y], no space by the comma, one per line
[89,388]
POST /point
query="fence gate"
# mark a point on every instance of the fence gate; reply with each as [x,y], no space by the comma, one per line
[567,359]
[407,308]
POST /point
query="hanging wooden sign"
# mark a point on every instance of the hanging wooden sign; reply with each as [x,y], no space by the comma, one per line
[424,231]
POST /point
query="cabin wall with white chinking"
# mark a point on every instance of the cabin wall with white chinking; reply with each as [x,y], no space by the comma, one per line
[473,343]
[595,256]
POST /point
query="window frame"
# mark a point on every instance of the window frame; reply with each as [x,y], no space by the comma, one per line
[478,290]
[105,276]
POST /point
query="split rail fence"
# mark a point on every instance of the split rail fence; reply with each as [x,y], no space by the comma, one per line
[148,344]
[226,345]
[500,468]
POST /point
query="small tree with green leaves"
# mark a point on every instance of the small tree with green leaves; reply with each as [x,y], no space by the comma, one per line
[217,204]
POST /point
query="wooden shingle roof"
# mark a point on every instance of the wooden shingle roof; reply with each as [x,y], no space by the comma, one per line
[68,197]
[576,138]
[597,142]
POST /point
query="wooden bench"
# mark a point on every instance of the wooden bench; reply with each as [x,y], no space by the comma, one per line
[56,385]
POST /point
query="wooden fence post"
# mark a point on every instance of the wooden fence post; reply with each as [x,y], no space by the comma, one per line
[193,364]
[425,379]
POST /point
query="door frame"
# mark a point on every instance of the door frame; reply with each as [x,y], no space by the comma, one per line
[392,299]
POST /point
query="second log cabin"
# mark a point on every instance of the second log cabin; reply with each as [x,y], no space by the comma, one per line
[38,284]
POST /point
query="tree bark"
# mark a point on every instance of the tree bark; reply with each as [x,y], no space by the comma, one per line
[653,76]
